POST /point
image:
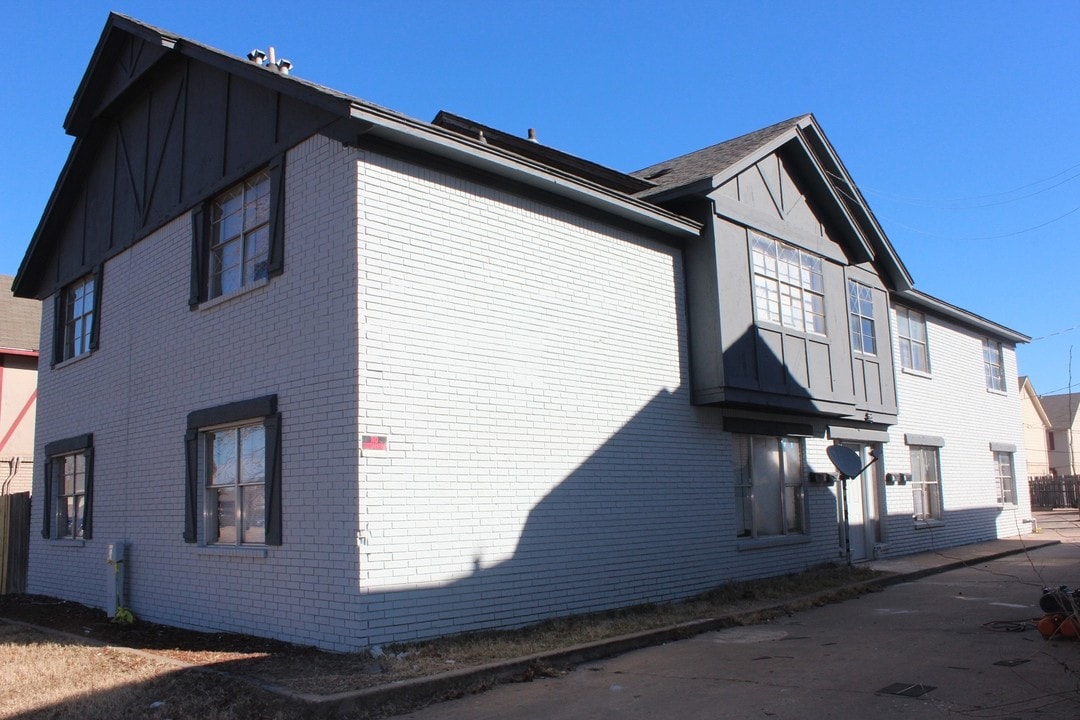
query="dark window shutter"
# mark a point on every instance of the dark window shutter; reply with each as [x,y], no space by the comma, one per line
[272,424]
[88,496]
[191,486]
[95,325]
[199,256]
[46,502]
[277,218]
[58,326]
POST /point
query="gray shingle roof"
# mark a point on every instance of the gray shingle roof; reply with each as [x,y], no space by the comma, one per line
[709,161]
[20,320]
[1061,409]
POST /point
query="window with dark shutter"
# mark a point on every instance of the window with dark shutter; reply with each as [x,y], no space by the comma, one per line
[233,474]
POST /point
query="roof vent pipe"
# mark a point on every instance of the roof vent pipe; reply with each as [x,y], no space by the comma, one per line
[532,136]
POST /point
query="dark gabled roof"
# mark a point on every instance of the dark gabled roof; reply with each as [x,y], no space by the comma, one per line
[549,156]
[1061,409]
[20,320]
[705,163]
[802,142]
[119,68]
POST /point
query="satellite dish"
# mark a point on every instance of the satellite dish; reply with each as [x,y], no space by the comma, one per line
[846,460]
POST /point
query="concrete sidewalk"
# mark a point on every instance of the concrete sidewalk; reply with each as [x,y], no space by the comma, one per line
[421,691]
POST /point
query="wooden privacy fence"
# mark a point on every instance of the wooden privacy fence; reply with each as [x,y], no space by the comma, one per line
[14,542]
[1048,493]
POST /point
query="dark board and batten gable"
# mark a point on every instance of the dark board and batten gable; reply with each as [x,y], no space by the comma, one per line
[782,184]
[161,125]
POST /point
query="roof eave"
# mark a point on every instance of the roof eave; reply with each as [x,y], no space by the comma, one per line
[923,301]
[453,146]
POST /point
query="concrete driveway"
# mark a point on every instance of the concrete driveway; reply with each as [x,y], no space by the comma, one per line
[955,644]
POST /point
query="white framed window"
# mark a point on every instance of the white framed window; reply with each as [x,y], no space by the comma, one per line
[926,483]
[233,486]
[1006,478]
[911,329]
[234,471]
[77,318]
[861,318]
[69,489]
[994,365]
[789,288]
[240,236]
[770,494]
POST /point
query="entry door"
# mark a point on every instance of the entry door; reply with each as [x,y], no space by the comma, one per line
[863,519]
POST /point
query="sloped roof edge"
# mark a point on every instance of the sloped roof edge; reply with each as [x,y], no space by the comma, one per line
[929,303]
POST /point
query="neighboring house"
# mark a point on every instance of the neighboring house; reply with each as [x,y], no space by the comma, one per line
[20,326]
[1063,438]
[343,377]
[1038,430]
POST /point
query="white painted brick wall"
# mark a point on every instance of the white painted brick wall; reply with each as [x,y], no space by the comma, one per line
[954,403]
[528,365]
[158,361]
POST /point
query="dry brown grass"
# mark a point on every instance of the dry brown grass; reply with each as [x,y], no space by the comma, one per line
[44,676]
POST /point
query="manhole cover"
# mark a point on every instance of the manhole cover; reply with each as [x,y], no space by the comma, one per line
[906,689]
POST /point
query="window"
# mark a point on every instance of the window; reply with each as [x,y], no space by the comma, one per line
[994,365]
[861,317]
[237,236]
[234,474]
[69,488]
[76,327]
[911,328]
[788,286]
[1006,477]
[926,482]
[770,489]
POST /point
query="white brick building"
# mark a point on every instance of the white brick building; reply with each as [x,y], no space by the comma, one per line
[432,378]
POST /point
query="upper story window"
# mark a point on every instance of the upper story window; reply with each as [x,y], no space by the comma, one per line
[76,318]
[238,236]
[861,318]
[911,329]
[994,365]
[789,288]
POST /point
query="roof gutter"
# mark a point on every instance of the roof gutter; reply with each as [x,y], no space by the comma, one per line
[939,307]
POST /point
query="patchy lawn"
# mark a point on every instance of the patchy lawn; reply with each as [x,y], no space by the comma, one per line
[51,676]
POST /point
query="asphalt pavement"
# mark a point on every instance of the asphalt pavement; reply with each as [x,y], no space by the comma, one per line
[954,638]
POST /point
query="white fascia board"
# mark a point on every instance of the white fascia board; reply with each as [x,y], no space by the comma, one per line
[428,138]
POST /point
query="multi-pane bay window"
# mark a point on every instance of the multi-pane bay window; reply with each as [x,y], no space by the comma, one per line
[861,318]
[770,486]
[789,288]
[69,488]
[994,365]
[911,330]
[76,319]
[238,236]
[234,474]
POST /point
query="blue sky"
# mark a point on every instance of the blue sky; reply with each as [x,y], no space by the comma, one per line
[957,120]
